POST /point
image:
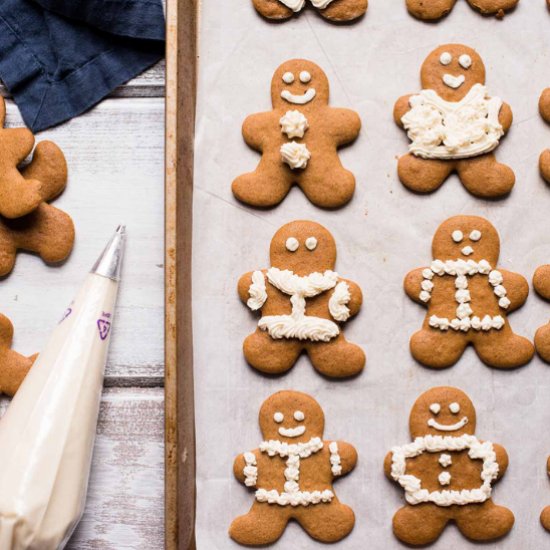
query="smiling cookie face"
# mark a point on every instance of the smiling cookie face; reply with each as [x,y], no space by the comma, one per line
[452,70]
[299,83]
[292,417]
[303,247]
[467,238]
[443,411]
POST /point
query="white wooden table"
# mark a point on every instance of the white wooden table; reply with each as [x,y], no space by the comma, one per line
[115,155]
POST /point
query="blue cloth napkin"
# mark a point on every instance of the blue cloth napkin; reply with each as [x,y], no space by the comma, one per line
[58,58]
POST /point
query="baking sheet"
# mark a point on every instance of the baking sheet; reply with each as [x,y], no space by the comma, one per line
[381,235]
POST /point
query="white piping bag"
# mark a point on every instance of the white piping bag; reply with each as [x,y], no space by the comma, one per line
[47,434]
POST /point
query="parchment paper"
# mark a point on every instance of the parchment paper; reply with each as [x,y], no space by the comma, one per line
[383,233]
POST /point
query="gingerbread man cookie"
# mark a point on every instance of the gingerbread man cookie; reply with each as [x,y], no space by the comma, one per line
[544,109]
[13,367]
[333,10]
[46,231]
[302,302]
[545,514]
[468,298]
[299,141]
[447,473]
[292,472]
[431,10]
[20,194]
[541,282]
[454,125]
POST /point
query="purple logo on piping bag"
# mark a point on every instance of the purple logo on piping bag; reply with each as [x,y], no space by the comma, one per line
[104,325]
[68,311]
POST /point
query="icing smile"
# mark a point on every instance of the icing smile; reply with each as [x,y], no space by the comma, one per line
[453,81]
[447,427]
[299,99]
[292,432]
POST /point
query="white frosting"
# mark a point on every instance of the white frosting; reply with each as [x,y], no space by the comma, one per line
[475,235]
[321,4]
[337,305]
[444,478]
[299,416]
[292,432]
[250,470]
[298,324]
[257,291]
[454,408]
[294,453]
[447,427]
[292,244]
[278,417]
[294,124]
[445,460]
[467,250]
[415,494]
[435,408]
[440,129]
[465,61]
[299,99]
[294,5]
[296,155]
[453,81]
[457,236]
[305,77]
[311,243]
[288,78]
[445,58]
[461,270]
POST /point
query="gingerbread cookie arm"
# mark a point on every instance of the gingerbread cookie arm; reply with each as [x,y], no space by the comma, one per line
[505,117]
[252,290]
[541,281]
[517,289]
[387,465]
[348,457]
[502,459]
[544,105]
[356,297]
[256,127]
[401,108]
[412,285]
[344,125]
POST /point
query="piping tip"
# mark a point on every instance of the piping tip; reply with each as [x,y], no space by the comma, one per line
[109,263]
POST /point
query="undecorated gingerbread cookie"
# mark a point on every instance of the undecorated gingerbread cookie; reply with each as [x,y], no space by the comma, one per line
[545,514]
[333,10]
[447,473]
[13,367]
[431,10]
[544,109]
[46,231]
[299,141]
[303,304]
[454,125]
[292,473]
[541,282]
[468,298]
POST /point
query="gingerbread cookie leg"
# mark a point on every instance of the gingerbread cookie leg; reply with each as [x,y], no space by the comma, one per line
[345,10]
[542,342]
[269,355]
[264,524]
[485,177]
[266,186]
[328,523]
[337,358]
[419,525]
[437,350]
[503,349]
[273,9]
[430,9]
[545,518]
[544,165]
[423,175]
[484,522]
[330,188]
[491,7]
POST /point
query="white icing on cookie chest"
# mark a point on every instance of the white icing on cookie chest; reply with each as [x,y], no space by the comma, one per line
[440,129]
[292,495]
[415,494]
[294,124]
[295,154]
[462,270]
[298,324]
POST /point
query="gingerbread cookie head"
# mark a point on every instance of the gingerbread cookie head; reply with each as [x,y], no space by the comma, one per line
[452,70]
[466,238]
[303,247]
[443,411]
[299,83]
[291,417]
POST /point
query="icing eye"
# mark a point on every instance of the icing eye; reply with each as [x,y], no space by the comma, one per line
[435,408]
[475,235]
[311,243]
[288,78]
[454,408]
[465,61]
[305,77]
[457,236]
[299,416]
[445,58]
[278,417]
[292,244]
